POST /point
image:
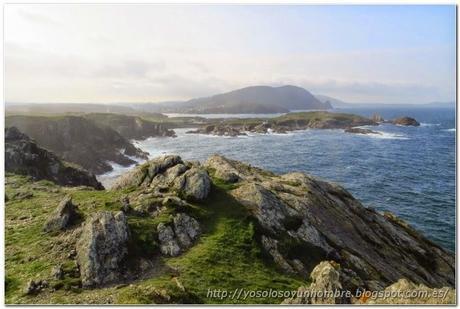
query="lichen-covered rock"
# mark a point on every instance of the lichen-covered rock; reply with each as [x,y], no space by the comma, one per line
[168,174]
[102,247]
[271,246]
[325,288]
[194,184]
[180,235]
[187,229]
[35,287]
[64,215]
[168,241]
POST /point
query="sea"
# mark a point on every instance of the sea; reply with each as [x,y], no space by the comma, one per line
[409,171]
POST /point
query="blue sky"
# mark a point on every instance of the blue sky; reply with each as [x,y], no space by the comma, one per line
[147,53]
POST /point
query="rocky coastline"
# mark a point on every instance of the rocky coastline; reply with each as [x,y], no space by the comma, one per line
[167,208]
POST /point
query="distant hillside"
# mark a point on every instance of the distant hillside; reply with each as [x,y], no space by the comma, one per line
[249,100]
[131,127]
[333,101]
[78,140]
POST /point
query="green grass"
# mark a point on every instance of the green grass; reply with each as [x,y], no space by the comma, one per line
[226,256]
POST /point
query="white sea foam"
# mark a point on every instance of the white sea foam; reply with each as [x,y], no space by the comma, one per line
[450,130]
[108,178]
[387,135]
[423,124]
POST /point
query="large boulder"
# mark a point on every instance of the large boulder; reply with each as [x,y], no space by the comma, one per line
[194,184]
[64,215]
[311,220]
[102,247]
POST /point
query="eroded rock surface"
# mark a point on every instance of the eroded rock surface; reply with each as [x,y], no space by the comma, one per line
[301,213]
[180,235]
[102,247]
[23,156]
[64,215]
[325,277]
[168,174]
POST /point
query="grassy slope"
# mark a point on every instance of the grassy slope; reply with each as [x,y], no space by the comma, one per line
[227,256]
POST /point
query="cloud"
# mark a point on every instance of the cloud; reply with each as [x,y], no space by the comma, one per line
[38,18]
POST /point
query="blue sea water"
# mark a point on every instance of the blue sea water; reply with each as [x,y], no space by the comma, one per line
[409,171]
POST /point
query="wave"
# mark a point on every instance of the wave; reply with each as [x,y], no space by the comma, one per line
[423,124]
[387,135]
[450,130]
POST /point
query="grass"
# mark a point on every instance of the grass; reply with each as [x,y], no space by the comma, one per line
[226,256]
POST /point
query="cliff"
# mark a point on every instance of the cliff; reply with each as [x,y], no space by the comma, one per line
[78,140]
[23,156]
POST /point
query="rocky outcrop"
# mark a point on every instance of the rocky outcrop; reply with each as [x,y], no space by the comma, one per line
[180,235]
[301,213]
[405,121]
[35,287]
[284,124]
[63,217]
[79,140]
[102,248]
[23,156]
[168,174]
[360,131]
[218,130]
[325,287]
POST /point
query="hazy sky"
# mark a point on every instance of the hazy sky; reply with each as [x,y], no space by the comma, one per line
[148,53]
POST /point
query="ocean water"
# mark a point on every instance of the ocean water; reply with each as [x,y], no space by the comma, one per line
[409,171]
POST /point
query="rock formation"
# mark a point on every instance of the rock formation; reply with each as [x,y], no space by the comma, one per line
[168,174]
[179,236]
[303,214]
[360,131]
[405,121]
[79,140]
[23,156]
[101,248]
[63,217]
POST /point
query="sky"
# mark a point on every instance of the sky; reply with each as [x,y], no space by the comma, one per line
[150,53]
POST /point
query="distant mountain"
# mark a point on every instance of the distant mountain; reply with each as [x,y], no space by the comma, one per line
[333,101]
[249,100]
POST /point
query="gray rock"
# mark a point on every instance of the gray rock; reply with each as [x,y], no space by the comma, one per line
[35,287]
[176,238]
[194,184]
[168,242]
[64,215]
[187,229]
[57,272]
[101,248]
